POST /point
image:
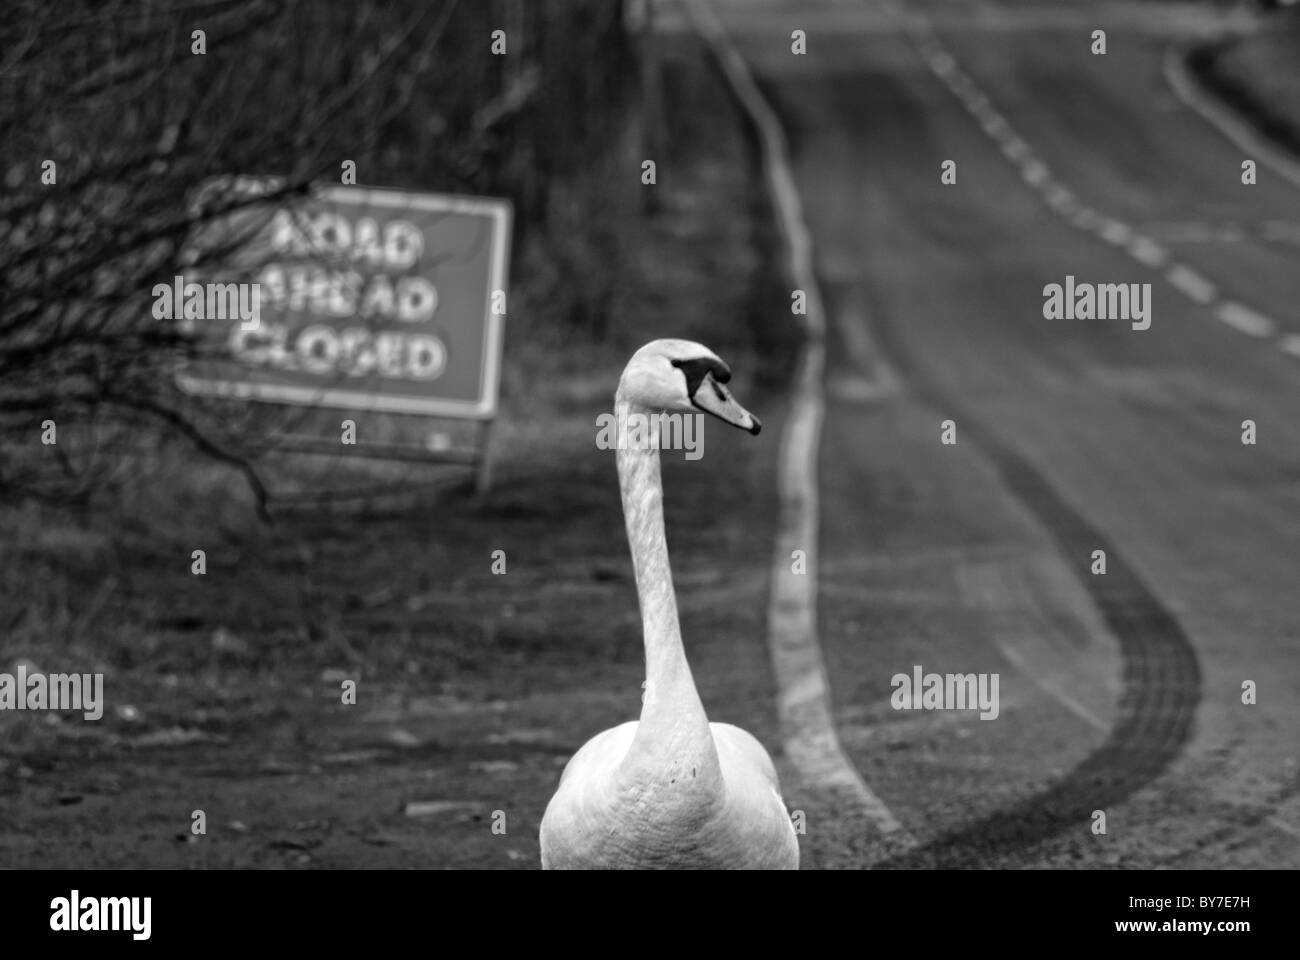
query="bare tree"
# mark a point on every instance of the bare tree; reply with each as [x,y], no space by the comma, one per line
[115,113]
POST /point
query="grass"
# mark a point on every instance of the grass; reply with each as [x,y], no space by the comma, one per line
[1259,75]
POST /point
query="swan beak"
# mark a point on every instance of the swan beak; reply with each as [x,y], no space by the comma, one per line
[712,397]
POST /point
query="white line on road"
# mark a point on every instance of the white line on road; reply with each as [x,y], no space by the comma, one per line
[1035,172]
[1086,218]
[1245,319]
[1114,232]
[1143,249]
[994,124]
[1148,253]
[1015,149]
[803,697]
[1060,199]
[1191,284]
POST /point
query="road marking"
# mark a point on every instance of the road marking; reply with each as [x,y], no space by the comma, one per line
[1035,172]
[1060,199]
[1244,319]
[1143,249]
[803,697]
[1014,149]
[995,125]
[1114,232]
[1086,218]
[1191,284]
[1147,252]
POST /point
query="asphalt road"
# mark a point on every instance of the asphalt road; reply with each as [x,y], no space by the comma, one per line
[1120,692]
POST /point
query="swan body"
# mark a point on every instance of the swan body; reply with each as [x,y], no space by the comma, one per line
[670,790]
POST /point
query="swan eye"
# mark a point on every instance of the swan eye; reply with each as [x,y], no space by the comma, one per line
[697,369]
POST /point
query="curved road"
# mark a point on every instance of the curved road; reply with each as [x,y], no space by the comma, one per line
[1122,692]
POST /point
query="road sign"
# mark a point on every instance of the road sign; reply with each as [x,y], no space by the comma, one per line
[369,299]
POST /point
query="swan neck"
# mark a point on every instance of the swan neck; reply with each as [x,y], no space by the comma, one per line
[674,726]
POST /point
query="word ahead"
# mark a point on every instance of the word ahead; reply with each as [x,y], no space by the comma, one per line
[369,299]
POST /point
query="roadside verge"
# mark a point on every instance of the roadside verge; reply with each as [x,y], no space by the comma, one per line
[1248,88]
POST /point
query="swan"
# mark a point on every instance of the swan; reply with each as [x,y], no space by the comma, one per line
[671,790]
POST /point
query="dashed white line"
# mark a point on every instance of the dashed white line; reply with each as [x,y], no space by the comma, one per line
[1033,171]
[1086,218]
[1015,149]
[994,124]
[1148,253]
[1114,232]
[1291,344]
[1060,199]
[1191,284]
[1245,319]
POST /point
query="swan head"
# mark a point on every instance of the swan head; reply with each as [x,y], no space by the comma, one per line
[683,376]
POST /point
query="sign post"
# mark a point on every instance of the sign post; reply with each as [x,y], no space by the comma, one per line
[368,300]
